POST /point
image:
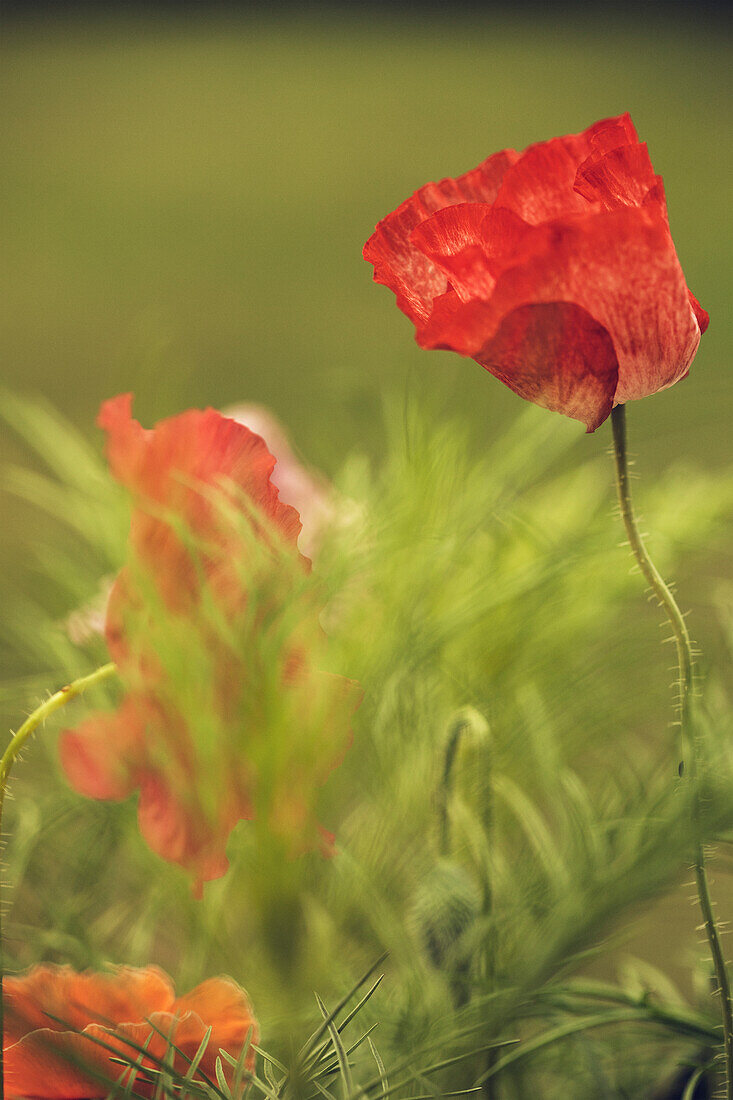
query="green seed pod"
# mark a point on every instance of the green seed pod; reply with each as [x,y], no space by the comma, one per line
[445,906]
[466,770]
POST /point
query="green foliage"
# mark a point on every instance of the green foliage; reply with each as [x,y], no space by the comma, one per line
[509,800]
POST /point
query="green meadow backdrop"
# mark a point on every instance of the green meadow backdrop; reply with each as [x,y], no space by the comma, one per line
[185,201]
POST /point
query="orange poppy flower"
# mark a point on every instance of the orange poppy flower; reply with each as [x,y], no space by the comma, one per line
[63,1029]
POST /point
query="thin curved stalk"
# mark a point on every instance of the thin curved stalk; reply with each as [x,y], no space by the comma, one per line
[17,741]
[688,739]
[456,733]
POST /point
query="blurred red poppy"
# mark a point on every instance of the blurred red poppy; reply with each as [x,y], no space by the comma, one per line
[57,1020]
[319,506]
[553,268]
[213,573]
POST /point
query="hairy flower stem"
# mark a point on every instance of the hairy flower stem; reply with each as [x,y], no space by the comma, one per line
[688,738]
[17,741]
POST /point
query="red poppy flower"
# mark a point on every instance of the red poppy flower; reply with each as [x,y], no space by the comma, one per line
[316,501]
[190,639]
[553,268]
[53,1015]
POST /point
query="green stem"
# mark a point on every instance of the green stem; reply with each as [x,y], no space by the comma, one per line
[688,738]
[446,785]
[17,741]
[458,731]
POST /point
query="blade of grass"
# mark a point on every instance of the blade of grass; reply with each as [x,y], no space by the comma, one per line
[309,1045]
[253,1077]
[320,1051]
[270,1058]
[333,1066]
[343,1058]
[240,1068]
[556,1034]
[380,1064]
[198,1056]
[691,1086]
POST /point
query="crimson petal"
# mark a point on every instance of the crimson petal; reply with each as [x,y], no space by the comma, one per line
[408,272]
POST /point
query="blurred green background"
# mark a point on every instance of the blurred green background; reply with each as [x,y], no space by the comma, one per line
[185,201]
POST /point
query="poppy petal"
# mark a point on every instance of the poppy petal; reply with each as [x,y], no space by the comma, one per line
[169,463]
[224,1005]
[404,269]
[52,1065]
[701,315]
[469,243]
[620,267]
[556,355]
[122,993]
[611,133]
[102,756]
[620,177]
[180,831]
[540,186]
